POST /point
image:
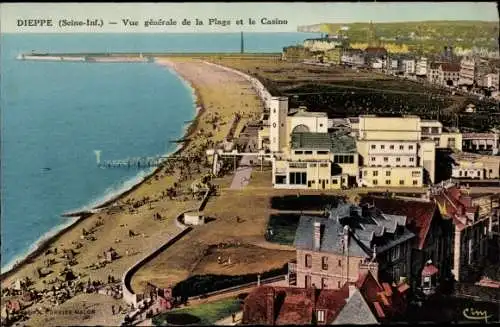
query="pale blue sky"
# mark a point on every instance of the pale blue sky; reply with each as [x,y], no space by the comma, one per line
[295,13]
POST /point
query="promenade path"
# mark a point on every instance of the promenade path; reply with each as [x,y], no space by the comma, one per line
[242,174]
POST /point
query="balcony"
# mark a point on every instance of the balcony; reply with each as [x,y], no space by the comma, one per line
[292,267]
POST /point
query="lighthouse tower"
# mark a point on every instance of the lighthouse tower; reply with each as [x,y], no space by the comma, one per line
[277,121]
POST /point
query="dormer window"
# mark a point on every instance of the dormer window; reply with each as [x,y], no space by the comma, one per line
[320,315]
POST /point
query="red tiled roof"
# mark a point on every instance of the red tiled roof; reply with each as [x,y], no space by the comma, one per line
[403,288]
[290,306]
[381,297]
[450,67]
[429,270]
[387,289]
[419,214]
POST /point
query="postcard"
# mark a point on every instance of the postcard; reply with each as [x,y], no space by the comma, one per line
[250,163]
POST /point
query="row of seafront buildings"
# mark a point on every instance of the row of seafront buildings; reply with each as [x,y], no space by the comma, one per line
[470,71]
[362,263]
[311,151]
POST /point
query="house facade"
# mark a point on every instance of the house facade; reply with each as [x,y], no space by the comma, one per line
[352,241]
[393,153]
[475,166]
[473,218]
[433,233]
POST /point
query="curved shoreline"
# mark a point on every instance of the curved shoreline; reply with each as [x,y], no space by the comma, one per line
[43,244]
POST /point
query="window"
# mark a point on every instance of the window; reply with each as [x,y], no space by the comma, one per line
[465,173]
[401,182]
[415,182]
[324,282]
[395,253]
[320,125]
[280,179]
[386,159]
[387,182]
[410,147]
[375,182]
[320,315]
[375,173]
[374,146]
[322,152]
[298,178]
[323,165]
[334,181]
[338,284]
[308,281]
[415,174]
[412,159]
[324,263]
[340,263]
[308,152]
[312,165]
[391,147]
[308,261]
[478,173]
[382,147]
[299,152]
[398,159]
[373,159]
[388,173]
[401,147]
[365,173]
[460,173]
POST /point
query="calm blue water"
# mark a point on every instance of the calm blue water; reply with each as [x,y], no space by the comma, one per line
[54,115]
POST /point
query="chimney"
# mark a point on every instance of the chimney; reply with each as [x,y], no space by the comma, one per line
[346,239]
[317,235]
[352,289]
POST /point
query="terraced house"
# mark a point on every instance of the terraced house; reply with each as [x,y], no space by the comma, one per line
[352,241]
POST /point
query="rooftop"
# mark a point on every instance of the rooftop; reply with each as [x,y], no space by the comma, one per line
[419,214]
[369,230]
[335,142]
[303,113]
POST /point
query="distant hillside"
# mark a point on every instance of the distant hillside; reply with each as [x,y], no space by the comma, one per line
[464,34]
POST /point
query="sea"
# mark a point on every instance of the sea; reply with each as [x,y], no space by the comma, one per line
[55,115]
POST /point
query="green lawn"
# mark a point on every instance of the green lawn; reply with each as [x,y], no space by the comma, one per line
[284,227]
[203,314]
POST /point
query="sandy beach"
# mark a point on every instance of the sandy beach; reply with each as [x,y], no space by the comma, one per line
[134,210]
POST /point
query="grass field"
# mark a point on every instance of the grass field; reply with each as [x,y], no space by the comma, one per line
[203,314]
[283,227]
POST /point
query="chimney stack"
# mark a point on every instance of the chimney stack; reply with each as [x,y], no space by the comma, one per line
[352,289]
[317,235]
[346,239]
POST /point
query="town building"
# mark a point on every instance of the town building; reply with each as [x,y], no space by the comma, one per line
[333,56]
[487,143]
[433,233]
[421,66]
[444,73]
[322,44]
[468,71]
[392,152]
[475,166]
[351,241]
[490,81]
[296,54]
[443,137]
[473,217]
[353,57]
[310,151]
[409,66]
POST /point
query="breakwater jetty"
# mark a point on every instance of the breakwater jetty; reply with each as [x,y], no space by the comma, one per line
[132,57]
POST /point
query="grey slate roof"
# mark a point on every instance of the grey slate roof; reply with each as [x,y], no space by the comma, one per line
[335,142]
[370,230]
[356,311]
